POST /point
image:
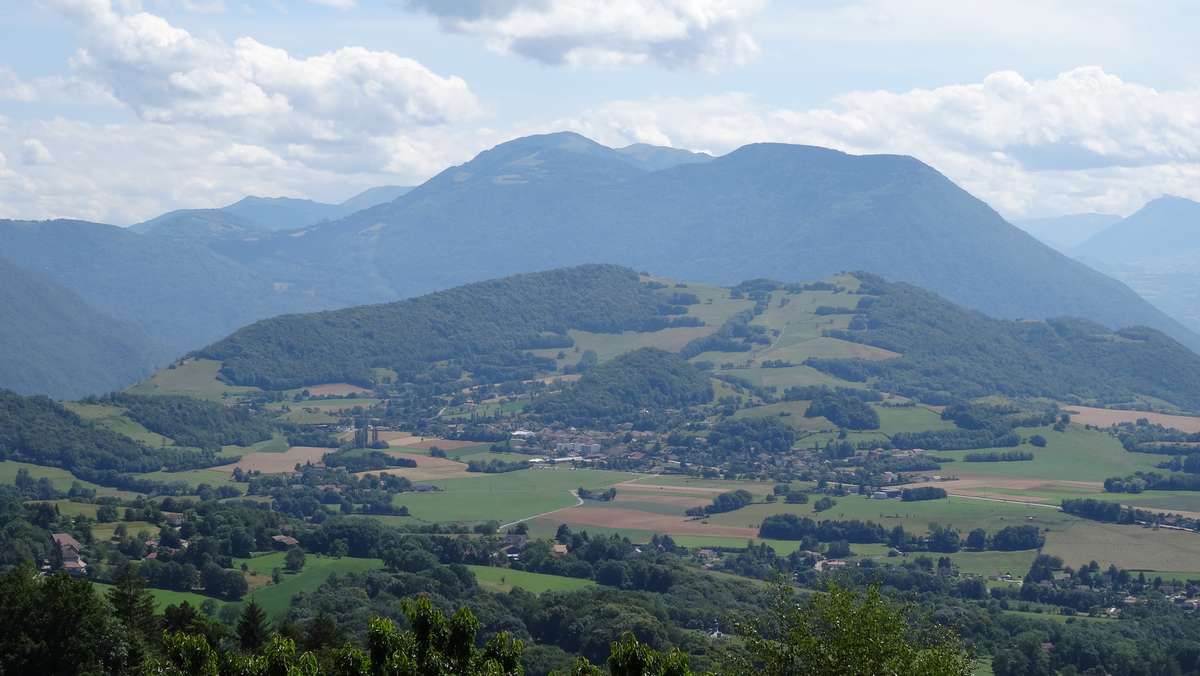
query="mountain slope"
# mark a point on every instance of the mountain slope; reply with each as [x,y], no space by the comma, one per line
[181,294]
[1067,232]
[53,343]
[767,209]
[1165,227]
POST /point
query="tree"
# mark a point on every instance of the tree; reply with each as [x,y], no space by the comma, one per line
[132,604]
[1038,440]
[106,513]
[252,629]
[338,548]
[294,560]
[977,539]
[844,632]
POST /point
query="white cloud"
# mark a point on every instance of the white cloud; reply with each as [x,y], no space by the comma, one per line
[337,4]
[708,34]
[1084,140]
[250,156]
[260,94]
[35,152]
[13,88]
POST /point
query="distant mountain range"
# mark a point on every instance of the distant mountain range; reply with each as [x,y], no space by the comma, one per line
[254,216]
[766,210]
[1156,251]
[1067,232]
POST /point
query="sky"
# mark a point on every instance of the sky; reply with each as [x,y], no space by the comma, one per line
[119,110]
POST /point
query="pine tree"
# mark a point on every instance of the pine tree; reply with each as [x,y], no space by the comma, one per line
[252,628]
[132,603]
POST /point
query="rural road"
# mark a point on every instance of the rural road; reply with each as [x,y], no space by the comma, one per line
[578,502]
[1018,502]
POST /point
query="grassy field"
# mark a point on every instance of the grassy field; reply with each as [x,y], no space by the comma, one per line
[195,477]
[275,598]
[961,513]
[61,479]
[1077,454]
[505,497]
[648,481]
[114,418]
[1130,547]
[104,532]
[506,579]
[167,597]
[194,378]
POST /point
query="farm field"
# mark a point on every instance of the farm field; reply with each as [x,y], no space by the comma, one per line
[506,497]
[275,598]
[1104,417]
[1130,547]
[194,378]
[271,462]
[506,579]
[105,531]
[114,418]
[1074,455]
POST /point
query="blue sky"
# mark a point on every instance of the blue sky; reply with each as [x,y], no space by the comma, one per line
[117,110]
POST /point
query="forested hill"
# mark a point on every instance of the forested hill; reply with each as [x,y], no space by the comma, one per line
[768,209]
[952,353]
[619,389]
[53,342]
[482,329]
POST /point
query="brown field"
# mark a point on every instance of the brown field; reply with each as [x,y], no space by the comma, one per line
[274,463]
[428,469]
[1104,417]
[425,443]
[660,498]
[336,389]
[615,517]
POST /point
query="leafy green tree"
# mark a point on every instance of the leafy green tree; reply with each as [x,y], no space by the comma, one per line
[843,632]
[294,559]
[252,628]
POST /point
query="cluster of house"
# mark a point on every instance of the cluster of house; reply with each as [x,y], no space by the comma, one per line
[71,552]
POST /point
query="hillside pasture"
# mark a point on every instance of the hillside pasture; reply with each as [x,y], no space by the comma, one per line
[115,419]
[428,468]
[194,378]
[276,598]
[1105,417]
[506,579]
[1130,547]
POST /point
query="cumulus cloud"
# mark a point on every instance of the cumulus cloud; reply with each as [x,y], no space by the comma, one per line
[1085,139]
[260,94]
[337,4]
[706,34]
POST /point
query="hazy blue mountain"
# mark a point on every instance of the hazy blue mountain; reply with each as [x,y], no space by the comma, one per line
[1156,251]
[252,217]
[54,343]
[199,225]
[783,211]
[653,158]
[373,196]
[1164,228]
[1066,232]
[179,293]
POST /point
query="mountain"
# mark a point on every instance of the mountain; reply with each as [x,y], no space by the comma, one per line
[894,337]
[180,294]
[374,196]
[1165,228]
[774,210]
[1066,232]
[653,158]
[253,216]
[52,342]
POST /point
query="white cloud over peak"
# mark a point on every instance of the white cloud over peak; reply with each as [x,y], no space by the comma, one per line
[705,34]
[1083,140]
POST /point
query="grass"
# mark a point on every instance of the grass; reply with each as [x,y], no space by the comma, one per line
[278,443]
[961,513]
[167,597]
[103,532]
[193,378]
[69,508]
[195,477]
[504,497]
[276,598]
[61,479]
[1077,454]
[1130,547]
[648,481]
[114,418]
[506,579]
[895,420]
